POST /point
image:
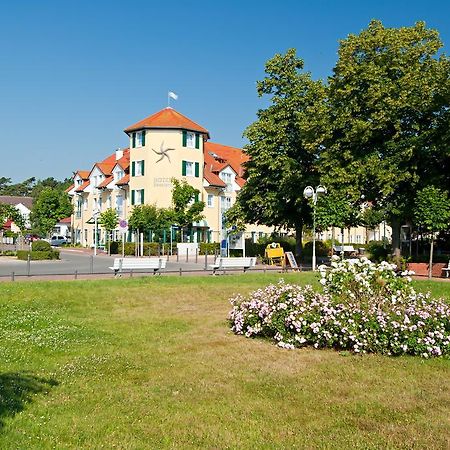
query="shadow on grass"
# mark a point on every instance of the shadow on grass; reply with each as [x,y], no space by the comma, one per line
[17,389]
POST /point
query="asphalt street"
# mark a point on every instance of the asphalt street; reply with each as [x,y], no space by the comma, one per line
[85,263]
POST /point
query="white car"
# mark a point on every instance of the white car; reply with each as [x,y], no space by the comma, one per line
[57,241]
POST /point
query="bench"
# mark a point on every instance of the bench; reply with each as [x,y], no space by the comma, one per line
[345,248]
[222,263]
[121,264]
[446,270]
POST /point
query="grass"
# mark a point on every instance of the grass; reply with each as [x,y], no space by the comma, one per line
[151,363]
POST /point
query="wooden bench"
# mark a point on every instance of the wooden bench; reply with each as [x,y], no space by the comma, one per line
[222,263]
[446,270]
[121,264]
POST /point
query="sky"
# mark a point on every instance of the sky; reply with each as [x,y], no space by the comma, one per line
[74,75]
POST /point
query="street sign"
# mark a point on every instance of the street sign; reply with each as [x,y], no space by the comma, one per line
[123,226]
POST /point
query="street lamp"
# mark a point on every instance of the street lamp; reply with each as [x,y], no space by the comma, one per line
[310,193]
[95,214]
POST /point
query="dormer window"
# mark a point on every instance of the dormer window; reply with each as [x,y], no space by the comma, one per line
[138,139]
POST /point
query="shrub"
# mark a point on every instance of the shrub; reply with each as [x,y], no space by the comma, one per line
[37,255]
[41,246]
[150,248]
[378,251]
[322,248]
[366,308]
[211,247]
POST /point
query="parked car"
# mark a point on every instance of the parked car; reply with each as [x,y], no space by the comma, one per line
[57,241]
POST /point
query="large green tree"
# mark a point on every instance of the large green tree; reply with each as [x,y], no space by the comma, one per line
[432,213]
[50,207]
[388,104]
[284,143]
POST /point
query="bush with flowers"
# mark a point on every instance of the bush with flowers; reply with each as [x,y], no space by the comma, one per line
[365,308]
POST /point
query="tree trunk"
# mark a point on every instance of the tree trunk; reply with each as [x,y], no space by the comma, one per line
[430,268]
[396,250]
[298,241]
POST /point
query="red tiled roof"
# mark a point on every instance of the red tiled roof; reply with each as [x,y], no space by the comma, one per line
[124,180]
[208,172]
[218,156]
[167,118]
[69,188]
[105,182]
[7,224]
[124,162]
[84,174]
[83,186]
[65,220]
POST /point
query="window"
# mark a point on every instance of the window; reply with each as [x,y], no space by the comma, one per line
[100,203]
[85,204]
[137,168]
[225,177]
[191,140]
[119,175]
[138,139]
[225,203]
[190,169]
[137,197]
[119,206]
[210,201]
[79,182]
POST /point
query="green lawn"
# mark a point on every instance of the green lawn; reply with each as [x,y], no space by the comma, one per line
[151,363]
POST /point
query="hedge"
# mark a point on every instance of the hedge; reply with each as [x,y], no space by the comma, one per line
[41,246]
[150,248]
[37,255]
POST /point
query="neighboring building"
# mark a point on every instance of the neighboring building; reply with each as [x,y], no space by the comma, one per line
[22,204]
[162,146]
[63,228]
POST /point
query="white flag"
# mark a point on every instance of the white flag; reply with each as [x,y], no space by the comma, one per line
[173,95]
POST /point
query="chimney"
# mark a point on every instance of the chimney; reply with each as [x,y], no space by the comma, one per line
[119,153]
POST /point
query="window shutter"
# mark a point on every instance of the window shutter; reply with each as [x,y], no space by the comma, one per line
[142,167]
[197,140]
[183,169]
[133,140]
[132,197]
[184,138]
[196,197]
[142,196]
[143,139]
[197,169]
[133,169]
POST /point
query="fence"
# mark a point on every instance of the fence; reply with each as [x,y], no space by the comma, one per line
[77,266]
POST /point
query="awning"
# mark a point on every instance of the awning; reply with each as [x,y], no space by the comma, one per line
[202,224]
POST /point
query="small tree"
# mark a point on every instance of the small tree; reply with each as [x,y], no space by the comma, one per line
[50,207]
[432,212]
[186,205]
[108,220]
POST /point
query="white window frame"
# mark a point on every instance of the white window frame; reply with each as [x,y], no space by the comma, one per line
[190,139]
[190,169]
[139,139]
[210,201]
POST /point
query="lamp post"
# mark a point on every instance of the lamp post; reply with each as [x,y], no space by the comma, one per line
[95,215]
[310,193]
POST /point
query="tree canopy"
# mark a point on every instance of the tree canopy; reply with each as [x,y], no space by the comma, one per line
[283,146]
[50,207]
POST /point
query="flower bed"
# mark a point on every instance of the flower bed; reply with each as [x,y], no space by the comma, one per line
[365,308]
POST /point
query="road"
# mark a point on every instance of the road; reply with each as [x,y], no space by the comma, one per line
[85,263]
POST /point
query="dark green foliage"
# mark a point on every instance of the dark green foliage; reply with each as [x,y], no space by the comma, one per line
[322,248]
[378,251]
[41,246]
[150,248]
[210,247]
[37,255]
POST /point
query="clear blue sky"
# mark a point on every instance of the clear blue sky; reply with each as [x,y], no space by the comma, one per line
[74,74]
